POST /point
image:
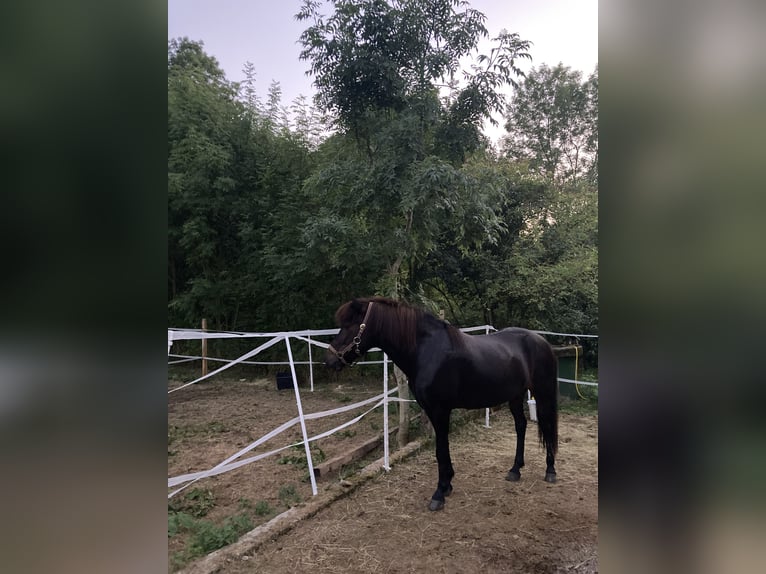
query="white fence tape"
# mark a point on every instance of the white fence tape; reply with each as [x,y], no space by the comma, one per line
[186,334]
[247,355]
[221,468]
[182,359]
[566,334]
[228,464]
[588,383]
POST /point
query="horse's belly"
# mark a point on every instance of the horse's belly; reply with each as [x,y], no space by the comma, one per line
[484,394]
[463,381]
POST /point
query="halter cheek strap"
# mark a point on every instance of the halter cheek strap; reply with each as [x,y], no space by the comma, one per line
[355,342]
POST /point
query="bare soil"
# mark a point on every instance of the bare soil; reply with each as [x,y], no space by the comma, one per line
[488,525]
[210,421]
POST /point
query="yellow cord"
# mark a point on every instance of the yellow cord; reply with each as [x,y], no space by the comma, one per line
[577,387]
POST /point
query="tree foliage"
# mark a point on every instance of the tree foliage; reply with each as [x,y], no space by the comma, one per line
[379,67]
[553,123]
[277,213]
[203,182]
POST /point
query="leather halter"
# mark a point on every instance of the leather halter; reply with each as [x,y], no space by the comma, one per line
[355,342]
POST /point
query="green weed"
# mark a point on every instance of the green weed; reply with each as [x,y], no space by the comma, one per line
[204,535]
[262,508]
[197,502]
[208,537]
[350,469]
[180,522]
[587,405]
[288,495]
[299,458]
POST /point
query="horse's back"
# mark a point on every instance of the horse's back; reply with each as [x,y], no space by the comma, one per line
[509,343]
[528,343]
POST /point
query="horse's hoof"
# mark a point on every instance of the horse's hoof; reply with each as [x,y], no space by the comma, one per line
[513,476]
[550,477]
[436,504]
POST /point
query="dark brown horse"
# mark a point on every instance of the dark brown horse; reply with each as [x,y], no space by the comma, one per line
[447,369]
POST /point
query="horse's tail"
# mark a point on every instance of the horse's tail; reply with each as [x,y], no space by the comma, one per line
[546,389]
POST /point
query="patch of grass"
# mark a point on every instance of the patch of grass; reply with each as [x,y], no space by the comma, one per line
[288,495]
[344,399]
[299,458]
[589,375]
[262,508]
[205,536]
[208,536]
[347,433]
[180,522]
[292,459]
[197,503]
[587,405]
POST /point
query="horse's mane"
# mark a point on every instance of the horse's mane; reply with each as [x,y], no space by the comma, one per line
[392,320]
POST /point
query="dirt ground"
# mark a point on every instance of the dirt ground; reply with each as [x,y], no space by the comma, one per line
[209,422]
[488,525]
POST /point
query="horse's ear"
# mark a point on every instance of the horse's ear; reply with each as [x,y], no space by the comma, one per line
[357,305]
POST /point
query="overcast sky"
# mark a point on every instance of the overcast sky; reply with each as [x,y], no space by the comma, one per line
[266,33]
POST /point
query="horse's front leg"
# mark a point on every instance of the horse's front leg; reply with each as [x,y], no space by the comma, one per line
[440,421]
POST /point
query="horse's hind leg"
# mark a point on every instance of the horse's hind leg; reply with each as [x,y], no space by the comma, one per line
[517,410]
[440,421]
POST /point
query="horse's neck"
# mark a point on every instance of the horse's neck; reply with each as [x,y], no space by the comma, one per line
[405,362]
[402,358]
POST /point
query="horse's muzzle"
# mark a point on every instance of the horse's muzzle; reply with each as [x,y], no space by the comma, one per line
[332,362]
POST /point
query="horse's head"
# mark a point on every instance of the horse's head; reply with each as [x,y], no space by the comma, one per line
[350,343]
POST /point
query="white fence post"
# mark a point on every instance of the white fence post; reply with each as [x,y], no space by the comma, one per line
[385,412]
[311,365]
[486,412]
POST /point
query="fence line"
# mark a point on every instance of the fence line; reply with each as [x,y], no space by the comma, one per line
[231,462]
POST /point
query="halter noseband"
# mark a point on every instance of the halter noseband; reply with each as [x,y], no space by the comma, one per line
[355,342]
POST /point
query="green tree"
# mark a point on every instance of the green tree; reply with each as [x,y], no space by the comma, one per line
[203,118]
[248,93]
[552,122]
[399,184]
[550,280]
[273,219]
